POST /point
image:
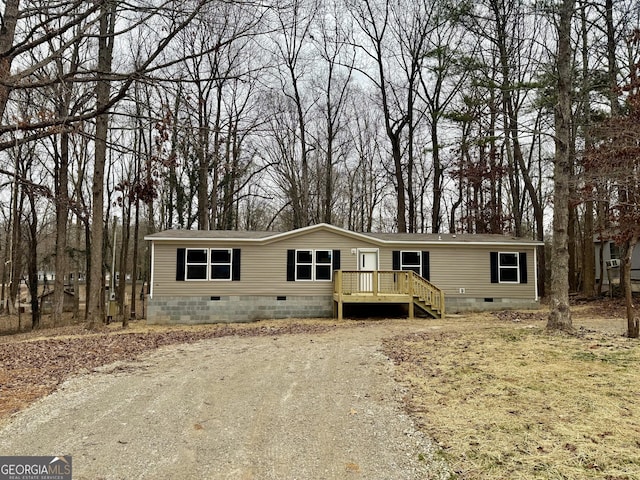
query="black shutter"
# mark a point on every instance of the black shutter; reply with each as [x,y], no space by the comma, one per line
[291,265]
[523,267]
[235,266]
[426,274]
[180,264]
[335,259]
[494,267]
[395,257]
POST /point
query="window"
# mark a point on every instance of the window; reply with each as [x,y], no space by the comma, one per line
[323,265]
[208,264]
[508,268]
[196,264]
[313,265]
[614,250]
[304,265]
[221,264]
[417,261]
[411,261]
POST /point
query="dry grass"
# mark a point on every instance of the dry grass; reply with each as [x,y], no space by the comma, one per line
[507,400]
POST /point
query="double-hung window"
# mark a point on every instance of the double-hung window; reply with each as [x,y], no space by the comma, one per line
[411,261]
[323,267]
[414,260]
[197,260]
[313,265]
[220,262]
[508,267]
[208,264]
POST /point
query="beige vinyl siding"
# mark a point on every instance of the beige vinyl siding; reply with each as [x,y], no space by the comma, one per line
[470,268]
[264,267]
[452,267]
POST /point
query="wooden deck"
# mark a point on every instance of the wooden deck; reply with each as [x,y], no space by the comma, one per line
[387,286]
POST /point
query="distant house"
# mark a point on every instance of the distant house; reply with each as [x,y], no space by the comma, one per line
[234,276]
[609,269]
[46,302]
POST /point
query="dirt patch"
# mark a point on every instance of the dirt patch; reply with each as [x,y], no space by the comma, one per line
[296,401]
[36,362]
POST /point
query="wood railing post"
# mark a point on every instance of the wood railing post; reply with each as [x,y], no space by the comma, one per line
[375,282]
[338,291]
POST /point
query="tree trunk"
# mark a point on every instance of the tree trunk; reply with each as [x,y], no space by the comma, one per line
[134,270]
[17,203]
[588,249]
[438,173]
[203,165]
[612,68]
[572,244]
[33,262]
[95,310]
[124,260]
[633,322]
[560,312]
[62,213]
[7,33]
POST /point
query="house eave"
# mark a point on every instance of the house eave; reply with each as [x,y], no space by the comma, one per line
[365,237]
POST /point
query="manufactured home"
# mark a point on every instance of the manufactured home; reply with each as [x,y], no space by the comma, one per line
[608,262]
[213,276]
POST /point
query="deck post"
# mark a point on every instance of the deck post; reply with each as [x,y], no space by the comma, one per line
[441,304]
[375,283]
[337,282]
[409,279]
[337,290]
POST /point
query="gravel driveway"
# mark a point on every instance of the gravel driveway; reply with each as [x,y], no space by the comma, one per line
[321,406]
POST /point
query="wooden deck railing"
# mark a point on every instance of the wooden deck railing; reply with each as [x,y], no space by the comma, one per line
[387,286]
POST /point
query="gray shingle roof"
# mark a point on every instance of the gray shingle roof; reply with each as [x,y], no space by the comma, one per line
[432,238]
[209,234]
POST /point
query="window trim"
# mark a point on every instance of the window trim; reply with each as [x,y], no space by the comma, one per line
[510,267]
[328,264]
[187,264]
[314,264]
[419,264]
[230,263]
[296,264]
[183,264]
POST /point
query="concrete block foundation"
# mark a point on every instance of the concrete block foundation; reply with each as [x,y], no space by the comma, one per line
[234,308]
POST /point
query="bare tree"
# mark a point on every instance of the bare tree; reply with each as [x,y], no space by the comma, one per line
[294,30]
[103,92]
[374,22]
[615,157]
[560,311]
[442,76]
[335,81]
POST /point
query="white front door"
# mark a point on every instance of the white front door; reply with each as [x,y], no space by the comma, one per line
[367,262]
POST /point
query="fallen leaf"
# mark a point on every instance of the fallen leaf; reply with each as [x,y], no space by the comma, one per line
[352,467]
